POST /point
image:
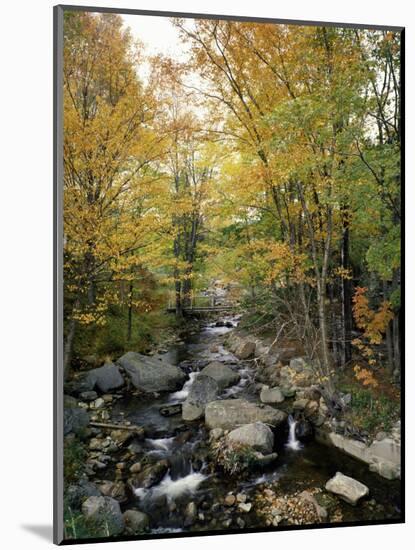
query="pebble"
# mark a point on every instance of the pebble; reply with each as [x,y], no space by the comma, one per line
[135,468]
[245,506]
[241,497]
[230,500]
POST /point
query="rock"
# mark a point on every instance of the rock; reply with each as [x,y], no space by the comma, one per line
[215,434]
[385,458]
[288,392]
[246,350]
[223,374]
[380,436]
[271,395]
[300,404]
[76,494]
[99,403]
[190,514]
[105,378]
[70,402]
[262,461]
[135,468]
[151,374]
[96,444]
[121,437]
[347,488]
[241,497]
[311,409]
[386,469]
[135,522]
[258,436]
[232,413]
[230,500]
[245,506]
[150,475]
[203,390]
[240,522]
[386,449]
[170,410]
[75,420]
[105,512]
[114,489]
[88,395]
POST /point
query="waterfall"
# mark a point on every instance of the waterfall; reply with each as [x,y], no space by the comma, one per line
[292,442]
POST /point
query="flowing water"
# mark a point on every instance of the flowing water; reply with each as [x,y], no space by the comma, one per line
[185,445]
[292,442]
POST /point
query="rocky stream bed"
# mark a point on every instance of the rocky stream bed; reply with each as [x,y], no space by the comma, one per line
[202,438]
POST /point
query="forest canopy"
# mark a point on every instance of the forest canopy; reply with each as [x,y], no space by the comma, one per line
[267,157]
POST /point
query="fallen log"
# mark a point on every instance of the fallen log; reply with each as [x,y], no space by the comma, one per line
[111,426]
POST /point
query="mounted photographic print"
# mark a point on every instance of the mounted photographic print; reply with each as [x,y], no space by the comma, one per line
[228,329]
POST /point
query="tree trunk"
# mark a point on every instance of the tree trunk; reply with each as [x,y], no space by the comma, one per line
[336,348]
[346,295]
[389,339]
[396,344]
[178,294]
[130,311]
[67,352]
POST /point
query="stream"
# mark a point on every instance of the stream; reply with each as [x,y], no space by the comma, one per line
[190,479]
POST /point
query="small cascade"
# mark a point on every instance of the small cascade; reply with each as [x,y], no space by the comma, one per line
[173,488]
[292,442]
[161,444]
[184,392]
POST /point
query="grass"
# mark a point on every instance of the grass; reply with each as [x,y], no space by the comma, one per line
[111,340]
[74,458]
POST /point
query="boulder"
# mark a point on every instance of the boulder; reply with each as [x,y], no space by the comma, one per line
[88,395]
[151,374]
[203,390]
[150,475]
[300,404]
[271,395]
[232,413]
[105,378]
[347,488]
[135,522]
[258,436]
[105,512]
[246,350]
[223,374]
[75,420]
[76,494]
[113,489]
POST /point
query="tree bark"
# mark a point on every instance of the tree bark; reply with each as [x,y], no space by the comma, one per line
[346,295]
[130,312]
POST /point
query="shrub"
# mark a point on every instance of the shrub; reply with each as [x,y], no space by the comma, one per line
[233,458]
